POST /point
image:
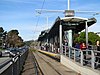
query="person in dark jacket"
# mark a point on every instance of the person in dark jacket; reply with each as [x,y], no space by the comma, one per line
[98,54]
[77,46]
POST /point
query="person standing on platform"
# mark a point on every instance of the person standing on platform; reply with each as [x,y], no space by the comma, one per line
[84,47]
[77,46]
[98,54]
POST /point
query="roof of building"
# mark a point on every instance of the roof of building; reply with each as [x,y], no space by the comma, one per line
[77,24]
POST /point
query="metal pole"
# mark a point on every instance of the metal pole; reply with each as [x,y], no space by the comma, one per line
[65,50]
[75,55]
[47,39]
[86,31]
[68,4]
[92,60]
[70,38]
[47,22]
[60,35]
[82,58]
[69,55]
[47,28]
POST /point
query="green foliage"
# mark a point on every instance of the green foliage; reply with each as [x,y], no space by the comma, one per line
[92,37]
[2,35]
[1,30]
[13,32]
[28,43]
[13,39]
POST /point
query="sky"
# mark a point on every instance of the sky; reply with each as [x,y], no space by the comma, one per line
[21,15]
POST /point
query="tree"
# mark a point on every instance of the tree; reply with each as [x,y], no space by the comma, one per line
[92,37]
[1,35]
[13,39]
[13,32]
[1,30]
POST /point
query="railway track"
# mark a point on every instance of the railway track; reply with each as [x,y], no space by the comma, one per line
[31,66]
[50,66]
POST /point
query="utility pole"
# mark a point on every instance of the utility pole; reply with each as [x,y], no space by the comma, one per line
[68,4]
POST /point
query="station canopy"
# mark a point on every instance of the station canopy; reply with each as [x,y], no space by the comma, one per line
[76,24]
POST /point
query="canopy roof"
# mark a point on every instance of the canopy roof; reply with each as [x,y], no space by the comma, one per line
[77,24]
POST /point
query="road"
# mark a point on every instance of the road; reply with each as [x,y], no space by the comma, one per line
[3,59]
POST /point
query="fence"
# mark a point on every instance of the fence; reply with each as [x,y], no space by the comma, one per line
[14,65]
[87,58]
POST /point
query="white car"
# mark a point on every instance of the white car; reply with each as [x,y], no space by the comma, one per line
[8,53]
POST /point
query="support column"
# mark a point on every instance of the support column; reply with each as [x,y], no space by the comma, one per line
[70,42]
[70,38]
[47,40]
[60,36]
[86,31]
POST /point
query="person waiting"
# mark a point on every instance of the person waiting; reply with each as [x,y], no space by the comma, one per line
[98,54]
[83,47]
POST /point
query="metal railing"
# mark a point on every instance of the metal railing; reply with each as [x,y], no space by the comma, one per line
[85,57]
[16,64]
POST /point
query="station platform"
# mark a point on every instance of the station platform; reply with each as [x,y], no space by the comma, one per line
[71,64]
[53,55]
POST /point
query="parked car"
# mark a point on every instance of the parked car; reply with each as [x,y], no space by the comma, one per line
[12,52]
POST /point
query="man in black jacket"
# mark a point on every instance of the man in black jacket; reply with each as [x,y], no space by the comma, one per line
[98,54]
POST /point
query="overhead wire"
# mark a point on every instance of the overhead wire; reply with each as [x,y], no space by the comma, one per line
[39,17]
